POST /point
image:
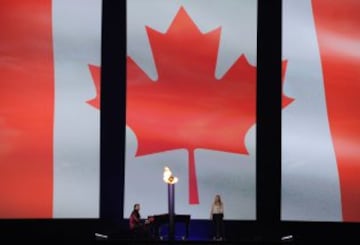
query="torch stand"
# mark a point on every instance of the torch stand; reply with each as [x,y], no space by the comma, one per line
[171,203]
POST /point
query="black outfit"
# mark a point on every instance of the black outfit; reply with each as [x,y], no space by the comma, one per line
[218,220]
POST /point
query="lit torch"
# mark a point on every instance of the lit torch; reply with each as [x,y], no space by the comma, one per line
[168,177]
[170,180]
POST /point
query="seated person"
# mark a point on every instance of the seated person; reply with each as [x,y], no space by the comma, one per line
[138,228]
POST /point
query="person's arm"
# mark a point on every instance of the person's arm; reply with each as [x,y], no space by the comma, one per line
[134,221]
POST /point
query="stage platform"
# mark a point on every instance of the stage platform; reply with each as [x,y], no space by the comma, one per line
[103,232]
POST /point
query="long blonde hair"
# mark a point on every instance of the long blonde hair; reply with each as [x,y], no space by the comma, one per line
[217,200]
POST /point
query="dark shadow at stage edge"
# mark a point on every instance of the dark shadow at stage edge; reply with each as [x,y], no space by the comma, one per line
[105,232]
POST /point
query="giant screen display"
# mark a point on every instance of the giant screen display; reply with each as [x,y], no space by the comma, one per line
[49,108]
[321,127]
[191,106]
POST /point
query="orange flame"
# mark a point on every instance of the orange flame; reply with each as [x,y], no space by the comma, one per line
[168,177]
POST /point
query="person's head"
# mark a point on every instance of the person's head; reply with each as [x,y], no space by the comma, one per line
[137,206]
[217,198]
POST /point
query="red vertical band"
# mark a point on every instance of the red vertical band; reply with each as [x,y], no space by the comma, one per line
[338,32]
[26,109]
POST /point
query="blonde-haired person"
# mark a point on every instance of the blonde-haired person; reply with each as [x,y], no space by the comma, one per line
[217,217]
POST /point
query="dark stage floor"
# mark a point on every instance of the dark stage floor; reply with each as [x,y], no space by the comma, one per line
[99,233]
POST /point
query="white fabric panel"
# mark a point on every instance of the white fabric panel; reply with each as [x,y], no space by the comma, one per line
[77,43]
[310,181]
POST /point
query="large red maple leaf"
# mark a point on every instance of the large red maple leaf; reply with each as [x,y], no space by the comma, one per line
[187,107]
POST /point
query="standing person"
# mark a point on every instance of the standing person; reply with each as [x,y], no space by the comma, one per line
[138,227]
[217,216]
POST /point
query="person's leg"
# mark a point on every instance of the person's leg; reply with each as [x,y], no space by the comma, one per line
[148,232]
[134,234]
[217,226]
[222,226]
[214,227]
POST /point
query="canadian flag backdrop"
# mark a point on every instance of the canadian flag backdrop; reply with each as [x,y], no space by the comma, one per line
[191,106]
[49,131]
[320,130]
[49,122]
